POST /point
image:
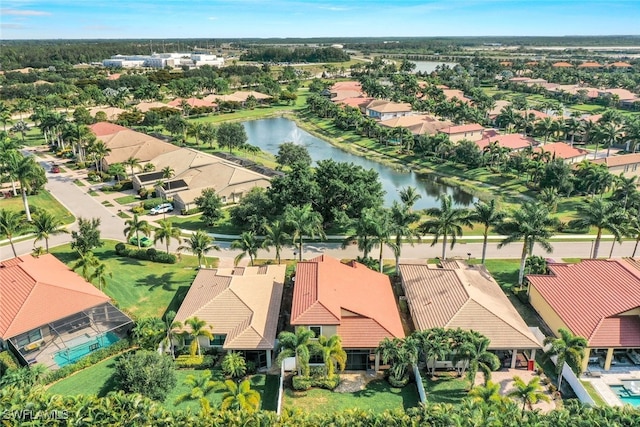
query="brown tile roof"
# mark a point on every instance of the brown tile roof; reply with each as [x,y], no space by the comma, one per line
[620,65]
[193,102]
[471,127]
[144,107]
[620,160]
[36,291]
[339,95]
[466,298]
[111,112]
[562,64]
[561,150]
[512,141]
[383,106]
[417,124]
[129,143]
[244,305]
[357,102]
[106,128]
[359,300]
[347,85]
[590,298]
[589,65]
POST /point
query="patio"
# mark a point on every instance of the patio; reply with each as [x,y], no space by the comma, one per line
[615,376]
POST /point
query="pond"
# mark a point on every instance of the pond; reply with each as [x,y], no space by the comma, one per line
[430,66]
[268,134]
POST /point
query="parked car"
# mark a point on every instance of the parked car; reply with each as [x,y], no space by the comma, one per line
[55,168]
[145,242]
[162,208]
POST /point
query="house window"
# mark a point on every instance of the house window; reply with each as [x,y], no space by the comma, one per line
[626,168]
[218,340]
[316,330]
[28,337]
[635,167]
[188,341]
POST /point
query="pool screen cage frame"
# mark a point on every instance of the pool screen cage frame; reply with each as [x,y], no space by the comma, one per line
[94,321]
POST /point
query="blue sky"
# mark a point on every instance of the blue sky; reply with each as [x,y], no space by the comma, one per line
[52,19]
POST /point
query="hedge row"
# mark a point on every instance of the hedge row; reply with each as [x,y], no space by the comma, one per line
[88,360]
[196,362]
[7,361]
[151,254]
[301,383]
[121,186]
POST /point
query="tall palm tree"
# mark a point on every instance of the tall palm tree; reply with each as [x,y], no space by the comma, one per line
[135,226]
[118,170]
[98,150]
[87,261]
[608,134]
[409,196]
[489,215]
[300,345]
[488,393]
[132,162]
[166,232]
[11,225]
[532,224]
[603,215]
[197,329]
[568,348]
[173,326]
[240,397]
[434,346]
[401,219]
[447,221]
[275,236]
[477,357]
[199,244]
[45,225]
[304,221]
[167,174]
[401,353]
[332,354]
[529,393]
[100,274]
[248,244]
[26,171]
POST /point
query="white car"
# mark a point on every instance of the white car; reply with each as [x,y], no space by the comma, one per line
[163,208]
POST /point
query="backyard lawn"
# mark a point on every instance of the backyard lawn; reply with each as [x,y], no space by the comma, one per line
[378,396]
[141,288]
[41,201]
[446,388]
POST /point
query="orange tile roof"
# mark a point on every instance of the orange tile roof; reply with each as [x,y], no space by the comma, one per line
[591,298]
[461,296]
[243,304]
[356,102]
[512,141]
[383,106]
[106,128]
[37,291]
[589,65]
[562,64]
[193,102]
[347,85]
[358,300]
[620,65]
[561,150]
[620,160]
[471,127]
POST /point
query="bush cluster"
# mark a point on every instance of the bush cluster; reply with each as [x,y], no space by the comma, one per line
[87,361]
[120,186]
[195,362]
[190,211]
[7,361]
[150,254]
[303,383]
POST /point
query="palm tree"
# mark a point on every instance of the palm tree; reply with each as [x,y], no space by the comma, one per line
[401,219]
[135,226]
[234,365]
[98,150]
[568,348]
[118,170]
[45,225]
[197,330]
[299,345]
[487,393]
[168,173]
[132,162]
[447,221]
[476,355]
[240,397]
[26,171]
[603,215]
[87,261]
[530,393]
[166,232]
[531,223]
[401,353]
[304,221]
[434,346]
[11,224]
[200,385]
[332,354]
[608,134]
[248,244]
[199,244]
[173,326]
[100,274]
[409,196]
[276,237]
[489,215]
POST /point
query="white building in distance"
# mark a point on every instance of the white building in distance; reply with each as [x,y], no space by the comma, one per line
[162,60]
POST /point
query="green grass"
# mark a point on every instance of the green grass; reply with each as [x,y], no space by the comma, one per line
[79,183]
[98,380]
[194,223]
[599,401]
[445,388]
[95,194]
[505,271]
[41,201]
[125,200]
[377,396]
[124,215]
[141,288]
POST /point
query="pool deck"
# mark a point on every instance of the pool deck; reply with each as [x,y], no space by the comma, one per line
[614,378]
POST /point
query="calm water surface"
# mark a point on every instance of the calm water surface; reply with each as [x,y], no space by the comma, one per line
[268,134]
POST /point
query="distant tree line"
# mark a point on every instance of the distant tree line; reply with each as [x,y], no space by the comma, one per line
[298,54]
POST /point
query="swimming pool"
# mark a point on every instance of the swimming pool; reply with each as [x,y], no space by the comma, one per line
[77,350]
[624,395]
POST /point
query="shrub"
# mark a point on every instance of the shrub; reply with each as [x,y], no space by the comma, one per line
[195,362]
[301,383]
[137,209]
[234,365]
[191,211]
[251,368]
[120,247]
[151,203]
[552,388]
[7,361]
[150,254]
[146,372]
[398,383]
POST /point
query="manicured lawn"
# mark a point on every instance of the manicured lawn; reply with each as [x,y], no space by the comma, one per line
[125,200]
[378,396]
[94,380]
[446,388]
[593,393]
[141,288]
[41,201]
[505,271]
[194,223]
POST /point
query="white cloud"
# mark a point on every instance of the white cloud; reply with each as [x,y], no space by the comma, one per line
[20,12]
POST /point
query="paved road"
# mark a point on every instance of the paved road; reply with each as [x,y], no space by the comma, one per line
[78,201]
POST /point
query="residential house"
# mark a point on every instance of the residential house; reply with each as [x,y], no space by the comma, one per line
[627,165]
[356,102]
[597,299]
[470,132]
[453,94]
[514,142]
[456,295]
[51,315]
[562,64]
[239,97]
[242,307]
[420,124]
[192,103]
[145,107]
[350,300]
[384,110]
[112,113]
[561,150]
